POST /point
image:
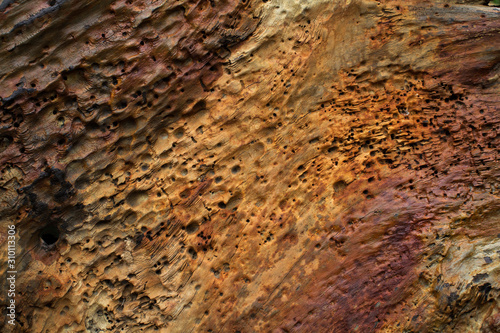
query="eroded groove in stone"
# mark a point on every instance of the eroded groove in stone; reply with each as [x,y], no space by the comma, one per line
[252,166]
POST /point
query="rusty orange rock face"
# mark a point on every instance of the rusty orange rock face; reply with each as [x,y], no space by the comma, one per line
[251,166]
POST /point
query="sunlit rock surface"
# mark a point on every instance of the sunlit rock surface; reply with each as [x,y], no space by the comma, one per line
[251,166]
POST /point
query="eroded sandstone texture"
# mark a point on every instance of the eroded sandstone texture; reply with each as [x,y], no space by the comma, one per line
[251,166]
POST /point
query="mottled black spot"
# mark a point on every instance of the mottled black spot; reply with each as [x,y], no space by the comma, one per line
[479,277]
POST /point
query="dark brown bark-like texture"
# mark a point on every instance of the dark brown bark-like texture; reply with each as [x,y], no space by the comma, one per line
[251,166]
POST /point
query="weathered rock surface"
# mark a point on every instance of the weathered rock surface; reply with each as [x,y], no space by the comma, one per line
[251,166]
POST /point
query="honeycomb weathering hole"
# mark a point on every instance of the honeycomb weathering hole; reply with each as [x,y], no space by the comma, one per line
[49,235]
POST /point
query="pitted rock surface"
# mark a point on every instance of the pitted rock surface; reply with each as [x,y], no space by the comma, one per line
[251,166]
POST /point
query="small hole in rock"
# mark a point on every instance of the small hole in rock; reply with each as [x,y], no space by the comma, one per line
[49,235]
[235,169]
